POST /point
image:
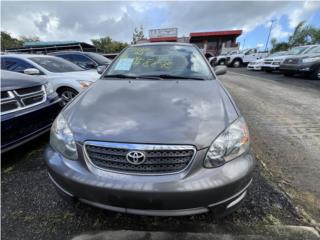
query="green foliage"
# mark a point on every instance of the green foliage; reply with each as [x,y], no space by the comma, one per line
[29,39]
[9,42]
[109,45]
[278,46]
[137,35]
[302,35]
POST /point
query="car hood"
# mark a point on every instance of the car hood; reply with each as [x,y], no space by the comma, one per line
[88,75]
[13,80]
[153,111]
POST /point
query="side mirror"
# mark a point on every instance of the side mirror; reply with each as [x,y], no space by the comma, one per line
[220,70]
[91,65]
[101,69]
[31,71]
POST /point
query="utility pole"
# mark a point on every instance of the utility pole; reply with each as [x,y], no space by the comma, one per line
[272,21]
[244,41]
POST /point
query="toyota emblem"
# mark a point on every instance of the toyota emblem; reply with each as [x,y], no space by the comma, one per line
[136,157]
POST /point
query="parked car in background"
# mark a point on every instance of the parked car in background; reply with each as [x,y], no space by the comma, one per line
[87,60]
[158,134]
[272,62]
[28,108]
[244,57]
[307,63]
[221,59]
[255,65]
[66,78]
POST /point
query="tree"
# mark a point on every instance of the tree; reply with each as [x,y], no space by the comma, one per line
[29,39]
[109,45]
[302,35]
[137,35]
[7,41]
[278,46]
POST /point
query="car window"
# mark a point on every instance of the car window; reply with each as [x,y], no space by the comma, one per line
[6,63]
[297,50]
[315,49]
[65,56]
[55,64]
[82,60]
[98,58]
[178,60]
[16,65]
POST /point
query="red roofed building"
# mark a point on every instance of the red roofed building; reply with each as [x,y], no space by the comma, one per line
[213,42]
[210,42]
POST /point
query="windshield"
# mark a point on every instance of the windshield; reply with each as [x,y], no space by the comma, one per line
[315,49]
[159,60]
[297,50]
[55,64]
[278,54]
[98,58]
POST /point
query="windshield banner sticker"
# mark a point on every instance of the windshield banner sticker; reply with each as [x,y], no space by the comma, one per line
[124,64]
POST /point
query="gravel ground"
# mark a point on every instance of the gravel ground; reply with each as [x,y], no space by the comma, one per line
[284,118]
[31,209]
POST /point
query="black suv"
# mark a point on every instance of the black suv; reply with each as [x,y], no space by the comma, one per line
[87,60]
[28,108]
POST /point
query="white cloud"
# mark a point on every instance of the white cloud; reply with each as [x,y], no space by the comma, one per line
[260,45]
[83,21]
[278,32]
[303,13]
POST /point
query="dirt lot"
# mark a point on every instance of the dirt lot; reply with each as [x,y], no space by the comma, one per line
[284,123]
[284,118]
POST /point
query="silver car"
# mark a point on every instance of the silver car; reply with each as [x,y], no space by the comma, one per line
[157,134]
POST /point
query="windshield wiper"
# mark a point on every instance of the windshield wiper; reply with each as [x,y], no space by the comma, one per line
[168,76]
[119,76]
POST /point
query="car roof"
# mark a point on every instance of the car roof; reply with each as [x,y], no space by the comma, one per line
[64,52]
[163,43]
[25,55]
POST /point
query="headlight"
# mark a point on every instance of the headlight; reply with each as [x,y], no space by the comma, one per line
[230,144]
[61,138]
[49,88]
[84,83]
[311,59]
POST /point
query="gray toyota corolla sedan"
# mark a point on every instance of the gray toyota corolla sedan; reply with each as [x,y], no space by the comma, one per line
[157,135]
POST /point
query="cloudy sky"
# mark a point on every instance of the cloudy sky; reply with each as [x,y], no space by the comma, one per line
[82,21]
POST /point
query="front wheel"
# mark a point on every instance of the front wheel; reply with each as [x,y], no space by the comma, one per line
[316,74]
[236,63]
[66,94]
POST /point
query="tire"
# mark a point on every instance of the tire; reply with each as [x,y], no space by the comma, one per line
[268,71]
[315,75]
[222,62]
[236,63]
[212,63]
[288,74]
[66,94]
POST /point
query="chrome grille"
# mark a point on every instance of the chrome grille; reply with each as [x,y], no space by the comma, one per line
[15,100]
[160,159]
[292,60]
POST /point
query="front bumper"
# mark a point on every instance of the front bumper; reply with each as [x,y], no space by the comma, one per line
[298,68]
[197,190]
[270,67]
[20,127]
[254,67]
